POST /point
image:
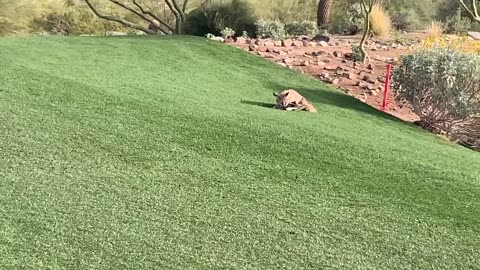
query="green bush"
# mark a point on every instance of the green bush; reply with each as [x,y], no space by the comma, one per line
[405,19]
[214,16]
[351,22]
[307,28]
[442,86]
[270,29]
[457,23]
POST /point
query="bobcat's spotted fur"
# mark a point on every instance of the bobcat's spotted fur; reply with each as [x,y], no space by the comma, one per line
[291,100]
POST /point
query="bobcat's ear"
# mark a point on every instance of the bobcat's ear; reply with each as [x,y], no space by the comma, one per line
[275,94]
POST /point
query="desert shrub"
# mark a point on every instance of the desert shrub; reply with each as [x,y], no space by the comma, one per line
[457,43]
[356,53]
[227,32]
[351,21]
[380,21]
[307,28]
[270,29]
[53,23]
[6,26]
[457,23]
[405,19]
[214,16]
[443,87]
[435,29]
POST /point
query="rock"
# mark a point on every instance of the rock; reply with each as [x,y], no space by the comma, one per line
[326,60]
[369,79]
[321,63]
[349,75]
[330,54]
[262,48]
[305,43]
[287,42]
[324,75]
[348,55]
[253,47]
[335,81]
[269,44]
[381,79]
[297,43]
[318,53]
[362,85]
[319,38]
[337,54]
[259,42]
[277,43]
[384,48]
[219,39]
[288,61]
[282,53]
[323,43]
[241,40]
[374,93]
[370,67]
[330,68]
[305,63]
[282,64]
[474,35]
[260,54]
[312,44]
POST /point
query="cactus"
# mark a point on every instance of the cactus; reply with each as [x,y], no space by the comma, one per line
[323,12]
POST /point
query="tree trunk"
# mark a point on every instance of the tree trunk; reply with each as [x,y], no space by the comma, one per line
[323,12]
[363,52]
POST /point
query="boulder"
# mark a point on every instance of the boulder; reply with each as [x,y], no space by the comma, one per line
[269,44]
[287,42]
[319,38]
[253,47]
[323,43]
[474,35]
[298,43]
[241,40]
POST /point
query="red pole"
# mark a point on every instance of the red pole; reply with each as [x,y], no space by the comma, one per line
[387,85]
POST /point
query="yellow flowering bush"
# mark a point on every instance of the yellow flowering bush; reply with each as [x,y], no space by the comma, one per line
[457,43]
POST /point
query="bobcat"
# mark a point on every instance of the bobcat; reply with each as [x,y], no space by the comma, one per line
[291,100]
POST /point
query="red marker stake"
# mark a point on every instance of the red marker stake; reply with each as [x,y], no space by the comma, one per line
[387,85]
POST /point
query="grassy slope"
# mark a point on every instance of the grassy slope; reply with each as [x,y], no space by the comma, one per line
[144,152]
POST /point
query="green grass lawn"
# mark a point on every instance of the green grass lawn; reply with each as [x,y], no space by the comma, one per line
[140,153]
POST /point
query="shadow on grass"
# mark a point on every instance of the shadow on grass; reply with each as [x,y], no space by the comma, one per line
[259,104]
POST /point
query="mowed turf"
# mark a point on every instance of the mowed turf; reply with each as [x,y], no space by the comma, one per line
[141,153]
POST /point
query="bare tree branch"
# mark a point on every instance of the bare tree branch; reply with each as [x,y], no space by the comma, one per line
[179,9]
[473,12]
[184,7]
[147,12]
[119,20]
